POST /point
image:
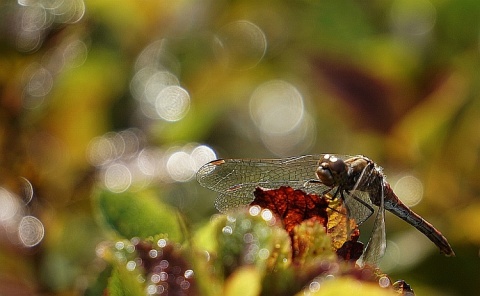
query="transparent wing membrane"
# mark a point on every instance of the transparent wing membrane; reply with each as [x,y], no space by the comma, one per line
[236,179]
[358,205]
[377,243]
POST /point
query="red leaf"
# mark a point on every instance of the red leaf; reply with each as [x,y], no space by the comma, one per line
[292,206]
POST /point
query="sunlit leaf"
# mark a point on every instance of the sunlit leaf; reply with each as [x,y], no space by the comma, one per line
[339,226]
[205,237]
[311,242]
[245,281]
[344,233]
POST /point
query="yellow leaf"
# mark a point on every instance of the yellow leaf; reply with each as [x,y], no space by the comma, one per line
[346,286]
[245,281]
[339,226]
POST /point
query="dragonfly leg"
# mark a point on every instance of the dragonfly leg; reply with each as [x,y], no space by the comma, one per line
[360,201]
[315,181]
[334,197]
[336,193]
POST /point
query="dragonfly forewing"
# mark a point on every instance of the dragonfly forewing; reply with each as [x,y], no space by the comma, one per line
[242,194]
[236,179]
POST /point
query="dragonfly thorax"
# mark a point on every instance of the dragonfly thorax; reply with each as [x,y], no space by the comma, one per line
[364,175]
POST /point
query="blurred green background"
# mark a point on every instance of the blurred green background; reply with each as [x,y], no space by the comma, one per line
[141,93]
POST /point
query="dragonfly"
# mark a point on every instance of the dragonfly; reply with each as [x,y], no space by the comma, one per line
[358,181]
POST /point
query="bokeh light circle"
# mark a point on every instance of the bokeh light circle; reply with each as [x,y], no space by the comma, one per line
[240,44]
[9,205]
[276,107]
[30,231]
[409,189]
[413,17]
[172,103]
[181,166]
[201,155]
[117,178]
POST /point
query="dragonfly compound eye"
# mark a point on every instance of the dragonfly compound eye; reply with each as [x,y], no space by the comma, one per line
[338,166]
[330,170]
[325,175]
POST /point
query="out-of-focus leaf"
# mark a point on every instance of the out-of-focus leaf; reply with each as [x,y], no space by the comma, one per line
[245,281]
[163,257]
[250,239]
[159,265]
[205,245]
[138,214]
[220,247]
[281,255]
[425,125]
[403,288]
[468,231]
[124,283]
[346,286]
[311,242]
[100,283]
[204,237]
[280,282]
[366,95]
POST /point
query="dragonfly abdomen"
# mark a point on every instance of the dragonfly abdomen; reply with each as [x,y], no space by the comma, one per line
[394,205]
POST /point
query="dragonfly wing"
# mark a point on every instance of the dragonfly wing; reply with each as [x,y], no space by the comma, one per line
[224,174]
[242,195]
[226,202]
[377,243]
[236,179]
[359,205]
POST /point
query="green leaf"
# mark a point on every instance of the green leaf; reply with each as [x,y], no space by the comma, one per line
[311,243]
[205,238]
[245,239]
[138,214]
[124,283]
[101,282]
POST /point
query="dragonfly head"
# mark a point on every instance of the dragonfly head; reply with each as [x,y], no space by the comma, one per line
[331,170]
